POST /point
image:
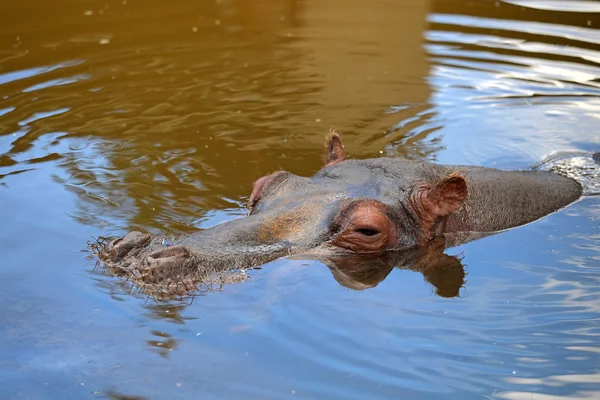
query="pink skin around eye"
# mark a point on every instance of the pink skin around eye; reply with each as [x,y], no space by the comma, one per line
[259,186]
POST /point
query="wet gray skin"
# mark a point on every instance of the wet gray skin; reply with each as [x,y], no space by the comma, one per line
[348,213]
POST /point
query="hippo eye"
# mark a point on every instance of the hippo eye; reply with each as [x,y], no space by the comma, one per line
[363,226]
[367,231]
[251,205]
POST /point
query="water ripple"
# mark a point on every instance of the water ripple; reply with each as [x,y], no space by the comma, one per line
[584,6]
[573,33]
[14,76]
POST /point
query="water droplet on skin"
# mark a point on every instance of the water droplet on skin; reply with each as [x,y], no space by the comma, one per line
[318,120]
[88,12]
[104,41]
[195,29]
[217,22]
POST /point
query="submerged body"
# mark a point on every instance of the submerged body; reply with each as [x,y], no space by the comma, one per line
[349,208]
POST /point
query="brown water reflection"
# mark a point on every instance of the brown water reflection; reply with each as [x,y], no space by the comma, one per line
[192,101]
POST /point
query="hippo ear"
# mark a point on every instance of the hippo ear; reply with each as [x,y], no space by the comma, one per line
[446,197]
[335,150]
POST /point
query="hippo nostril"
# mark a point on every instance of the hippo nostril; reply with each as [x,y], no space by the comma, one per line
[171,251]
[120,247]
[116,252]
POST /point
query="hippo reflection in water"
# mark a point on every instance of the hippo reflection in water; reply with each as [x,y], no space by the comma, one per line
[361,218]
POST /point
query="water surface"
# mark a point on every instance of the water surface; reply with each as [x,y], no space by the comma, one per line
[119,115]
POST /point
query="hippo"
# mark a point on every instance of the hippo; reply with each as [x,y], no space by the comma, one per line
[361,218]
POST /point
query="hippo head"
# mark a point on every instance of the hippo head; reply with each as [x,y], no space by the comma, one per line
[359,206]
[367,206]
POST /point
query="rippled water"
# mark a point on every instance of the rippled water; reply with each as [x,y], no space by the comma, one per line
[126,114]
